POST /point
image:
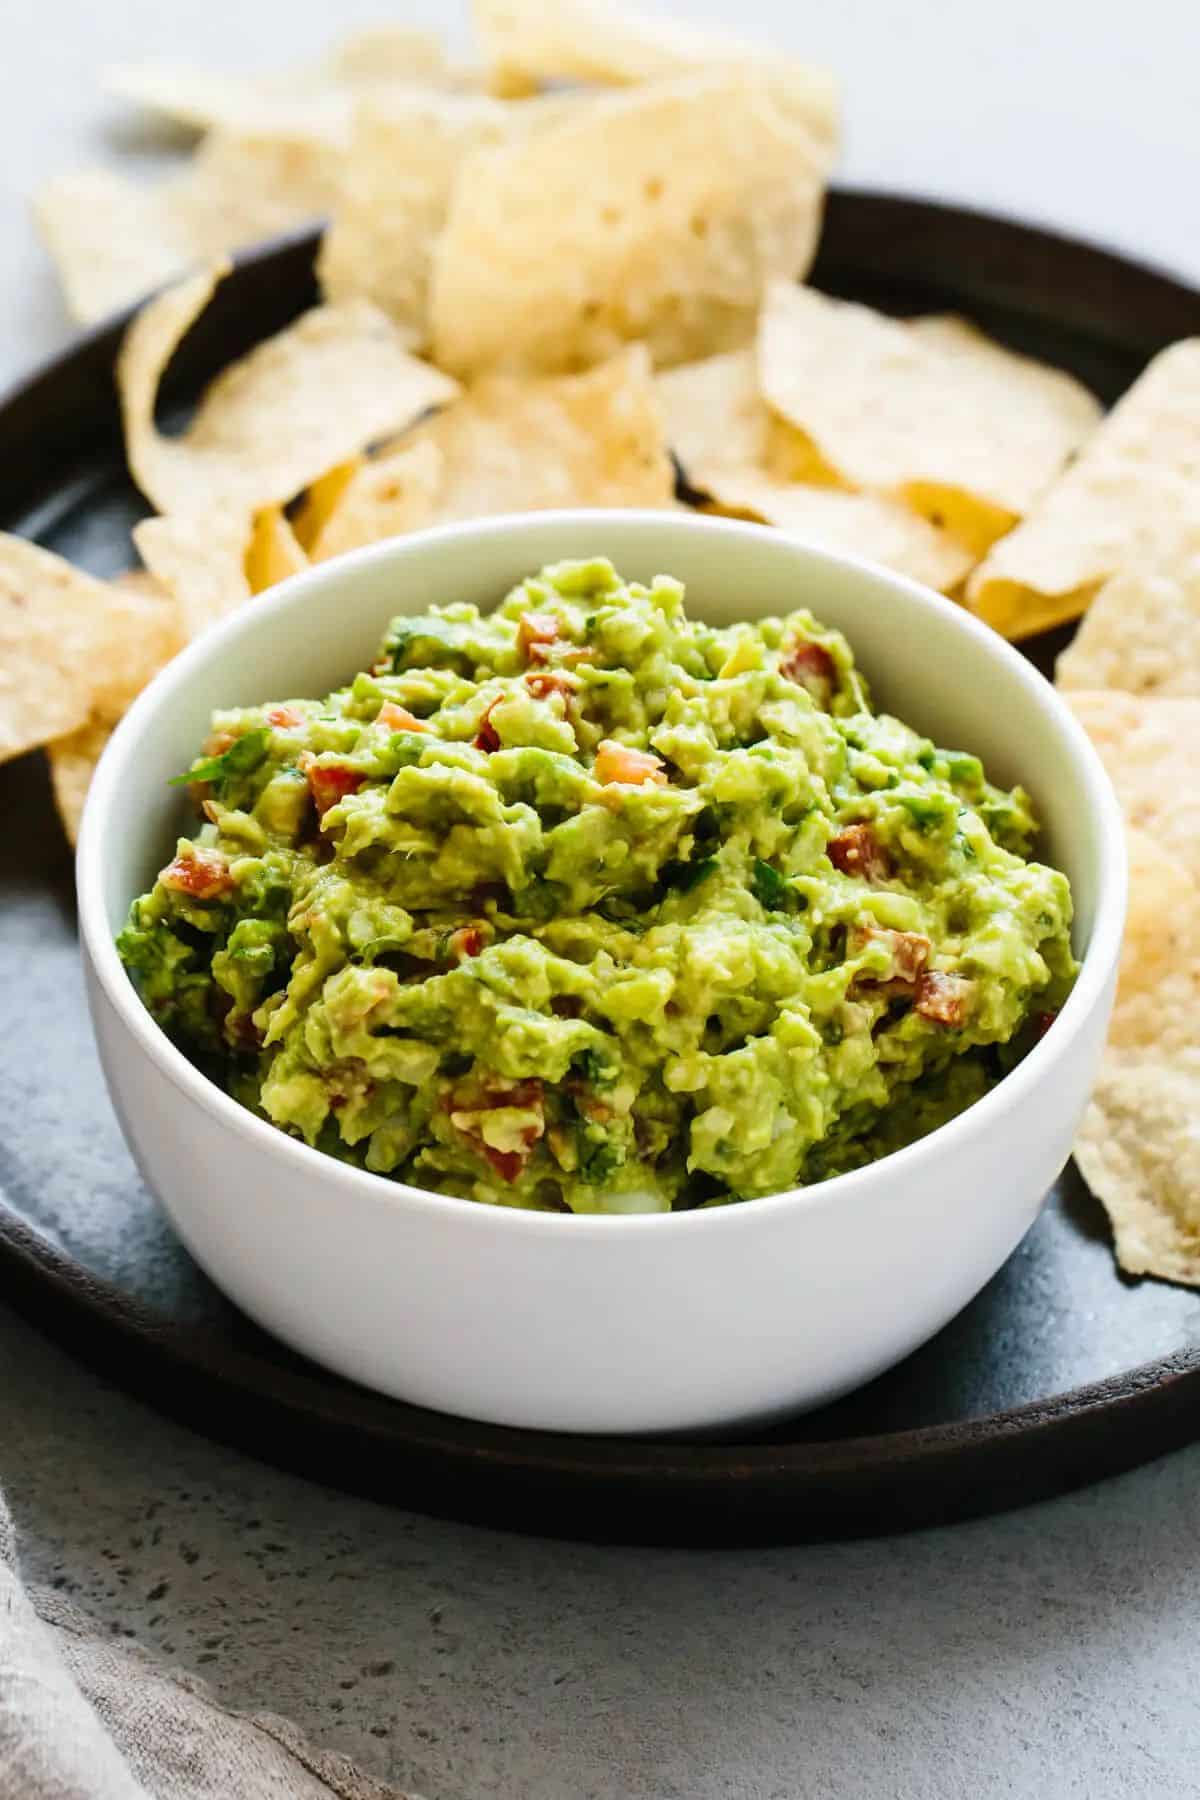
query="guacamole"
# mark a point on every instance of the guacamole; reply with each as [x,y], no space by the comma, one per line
[587,905]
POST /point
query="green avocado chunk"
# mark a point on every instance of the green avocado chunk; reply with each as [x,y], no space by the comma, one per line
[586,905]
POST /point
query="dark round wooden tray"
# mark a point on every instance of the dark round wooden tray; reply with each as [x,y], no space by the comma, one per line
[1059,1372]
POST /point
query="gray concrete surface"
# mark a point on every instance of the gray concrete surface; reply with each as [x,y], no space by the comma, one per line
[1049,1653]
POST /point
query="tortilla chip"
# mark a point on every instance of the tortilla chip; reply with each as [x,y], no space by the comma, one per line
[277,419]
[210,566]
[1139,1152]
[1155,999]
[399,173]
[390,495]
[273,552]
[528,42]
[714,413]
[201,562]
[516,445]
[56,642]
[316,102]
[1138,474]
[110,239]
[1151,749]
[1141,633]
[659,213]
[73,762]
[864,525]
[1139,1145]
[316,504]
[965,432]
[114,240]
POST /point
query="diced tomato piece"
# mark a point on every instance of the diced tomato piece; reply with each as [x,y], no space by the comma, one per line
[946,999]
[398,718]
[811,667]
[329,784]
[507,1163]
[543,683]
[535,634]
[466,941]
[909,950]
[1043,1021]
[487,737]
[468,1110]
[855,850]
[218,742]
[201,874]
[529,1092]
[630,768]
[284,718]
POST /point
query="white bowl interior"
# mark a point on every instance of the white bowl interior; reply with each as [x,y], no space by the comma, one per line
[926,660]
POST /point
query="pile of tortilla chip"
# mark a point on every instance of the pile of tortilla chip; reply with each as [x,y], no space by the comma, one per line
[1132,678]
[571,276]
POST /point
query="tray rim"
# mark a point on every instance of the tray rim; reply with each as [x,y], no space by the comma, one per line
[92,1313]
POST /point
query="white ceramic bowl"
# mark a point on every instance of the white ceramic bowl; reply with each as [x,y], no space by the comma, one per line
[630,1324]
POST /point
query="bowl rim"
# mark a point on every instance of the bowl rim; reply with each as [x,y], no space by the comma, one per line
[321,582]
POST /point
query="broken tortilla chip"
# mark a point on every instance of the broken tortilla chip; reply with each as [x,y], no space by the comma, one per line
[1141,633]
[316,504]
[316,101]
[1139,1151]
[391,494]
[865,525]
[114,240]
[1136,476]
[964,431]
[513,444]
[211,567]
[139,632]
[714,413]
[657,213]
[1153,1010]
[142,634]
[73,762]
[517,445]
[1150,747]
[200,561]
[273,552]
[1139,1144]
[66,640]
[527,43]
[398,176]
[278,418]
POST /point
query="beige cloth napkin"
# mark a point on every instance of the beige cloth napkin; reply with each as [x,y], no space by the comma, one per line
[88,1717]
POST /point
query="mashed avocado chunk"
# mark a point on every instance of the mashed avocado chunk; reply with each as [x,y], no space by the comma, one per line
[587,905]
